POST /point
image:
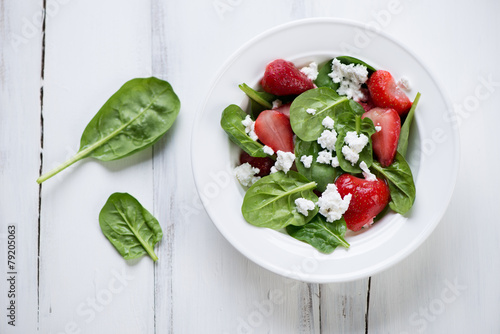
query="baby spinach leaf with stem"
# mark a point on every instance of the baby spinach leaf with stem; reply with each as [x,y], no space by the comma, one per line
[230,121]
[352,122]
[134,118]
[320,234]
[129,226]
[322,174]
[405,129]
[270,202]
[401,184]
[262,98]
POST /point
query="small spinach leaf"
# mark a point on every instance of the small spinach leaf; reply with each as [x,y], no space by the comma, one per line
[351,60]
[325,102]
[129,226]
[405,129]
[323,236]
[262,98]
[401,184]
[322,174]
[231,123]
[323,79]
[270,202]
[352,122]
[134,118]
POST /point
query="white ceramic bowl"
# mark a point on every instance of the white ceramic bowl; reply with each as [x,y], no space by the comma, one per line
[433,153]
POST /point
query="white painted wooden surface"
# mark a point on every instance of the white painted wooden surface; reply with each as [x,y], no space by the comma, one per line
[201,284]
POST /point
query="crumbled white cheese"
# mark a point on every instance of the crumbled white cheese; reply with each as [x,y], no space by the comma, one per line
[273,170]
[350,77]
[328,139]
[304,205]
[277,104]
[404,83]
[378,128]
[366,172]
[332,205]
[268,150]
[284,161]
[306,160]
[324,157]
[355,145]
[350,155]
[246,174]
[311,111]
[250,127]
[335,162]
[328,123]
[311,71]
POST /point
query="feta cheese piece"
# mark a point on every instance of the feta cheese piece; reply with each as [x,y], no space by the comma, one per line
[335,162]
[273,170]
[328,123]
[246,174]
[332,205]
[378,128]
[355,145]
[277,104]
[285,161]
[324,157]
[311,71]
[304,206]
[350,155]
[250,127]
[306,160]
[268,150]
[404,84]
[311,111]
[328,139]
[350,77]
[366,172]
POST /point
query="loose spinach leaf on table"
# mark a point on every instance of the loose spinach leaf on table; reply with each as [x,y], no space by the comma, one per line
[320,234]
[401,184]
[231,123]
[322,174]
[129,226]
[405,129]
[352,122]
[270,202]
[325,102]
[324,80]
[133,118]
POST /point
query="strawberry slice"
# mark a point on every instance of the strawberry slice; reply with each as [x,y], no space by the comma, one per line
[369,198]
[263,164]
[386,93]
[385,141]
[283,78]
[274,130]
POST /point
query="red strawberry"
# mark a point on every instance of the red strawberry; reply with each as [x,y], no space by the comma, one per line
[385,92]
[385,141]
[264,164]
[369,198]
[283,78]
[274,130]
[285,109]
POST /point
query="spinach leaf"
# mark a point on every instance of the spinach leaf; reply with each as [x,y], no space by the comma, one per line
[323,80]
[323,236]
[134,118]
[351,60]
[322,174]
[400,181]
[262,98]
[325,102]
[231,123]
[129,226]
[352,122]
[405,129]
[270,202]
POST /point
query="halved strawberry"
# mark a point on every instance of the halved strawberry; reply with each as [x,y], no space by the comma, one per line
[283,78]
[385,141]
[274,130]
[263,164]
[385,92]
[285,109]
[369,198]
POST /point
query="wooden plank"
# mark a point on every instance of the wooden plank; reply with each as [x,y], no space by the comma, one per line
[92,48]
[20,59]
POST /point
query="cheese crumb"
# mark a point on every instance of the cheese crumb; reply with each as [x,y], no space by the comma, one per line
[328,123]
[335,162]
[268,150]
[350,155]
[311,71]
[404,83]
[284,161]
[306,160]
[304,206]
[250,128]
[328,139]
[311,111]
[246,174]
[324,157]
[378,128]
[273,170]
[277,104]
[350,77]
[366,172]
[355,146]
[332,205]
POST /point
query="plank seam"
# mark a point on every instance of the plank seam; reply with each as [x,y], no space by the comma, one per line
[367,304]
